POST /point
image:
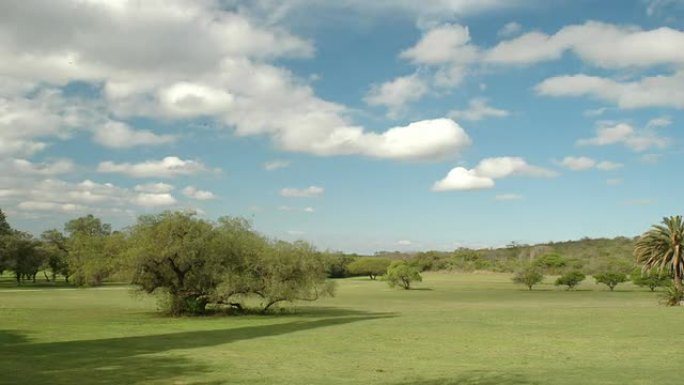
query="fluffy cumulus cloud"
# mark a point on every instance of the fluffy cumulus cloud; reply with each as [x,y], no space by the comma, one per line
[649,91]
[478,109]
[580,163]
[120,135]
[484,174]
[155,188]
[229,78]
[397,93]
[308,192]
[626,135]
[196,194]
[168,167]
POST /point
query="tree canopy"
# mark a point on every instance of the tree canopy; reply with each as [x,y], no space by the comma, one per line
[662,248]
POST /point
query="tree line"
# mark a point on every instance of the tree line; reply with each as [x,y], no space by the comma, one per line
[193,264]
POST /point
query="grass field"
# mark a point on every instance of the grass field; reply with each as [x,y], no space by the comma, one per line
[455,329]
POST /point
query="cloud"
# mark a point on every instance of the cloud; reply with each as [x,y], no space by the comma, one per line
[508,197]
[397,93]
[405,242]
[290,208]
[169,167]
[649,91]
[155,188]
[510,29]
[608,165]
[460,178]
[650,158]
[625,134]
[478,109]
[120,135]
[599,44]
[308,192]
[200,195]
[276,165]
[50,206]
[484,174]
[614,181]
[577,163]
[154,199]
[26,167]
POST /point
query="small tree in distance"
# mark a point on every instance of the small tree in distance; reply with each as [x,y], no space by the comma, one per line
[610,279]
[400,273]
[370,266]
[651,279]
[570,279]
[528,276]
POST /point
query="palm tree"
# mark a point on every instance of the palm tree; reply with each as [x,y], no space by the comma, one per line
[662,247]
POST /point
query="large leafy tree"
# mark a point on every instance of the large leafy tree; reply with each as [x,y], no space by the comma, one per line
[92,250]
[662,248]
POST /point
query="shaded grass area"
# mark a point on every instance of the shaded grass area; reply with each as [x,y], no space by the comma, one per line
[468,329]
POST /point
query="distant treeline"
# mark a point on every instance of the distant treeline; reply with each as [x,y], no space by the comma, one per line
[588,255]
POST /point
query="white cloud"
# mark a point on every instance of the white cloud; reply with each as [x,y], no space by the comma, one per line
[276,165]
[510,166]
[26,167]
[460,178]
[397,93]
[120,135]
[625,134]
[508,197]
[200,195]
[405,242]
[169,167]
[614,181]
[50,206]
[308,192]
[154,199]
[309,210]
[484,174]
[650,158]
[608,165]
[478,109]
[577,163]
[510,29]
[155,188]
[600,44]
[663,121]
[184,99]
[650,91]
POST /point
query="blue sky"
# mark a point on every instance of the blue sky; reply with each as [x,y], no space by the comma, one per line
[356,125]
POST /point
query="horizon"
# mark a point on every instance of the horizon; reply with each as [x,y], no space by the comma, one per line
[356,126]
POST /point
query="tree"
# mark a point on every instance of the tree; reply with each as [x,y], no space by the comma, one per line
[570,279]
[173,252]
[54,244]
[5,232]
[23,256]
[5,228]
[661,248]
[370,266]
[610,278]
[651,279]
[551,263]
[528,276]
[401,273]
[197,263]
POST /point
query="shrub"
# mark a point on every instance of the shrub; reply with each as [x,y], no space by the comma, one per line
[673,296]
[551,263]
[570,279]
[370,266]
[610,279]
[529,276]
[651,279]
[402,274]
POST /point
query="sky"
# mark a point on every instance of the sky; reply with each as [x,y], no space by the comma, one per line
[356,125]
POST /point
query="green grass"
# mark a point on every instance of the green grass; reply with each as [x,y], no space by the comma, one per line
[463,329]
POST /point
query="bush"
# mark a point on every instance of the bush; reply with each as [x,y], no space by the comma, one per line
[529,276]
[673,296]
[651,279]
[551,263]
[610,279]
[370,266]
[570,279]
[402,274]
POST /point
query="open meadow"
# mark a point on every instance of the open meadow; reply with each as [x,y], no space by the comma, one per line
[454,328]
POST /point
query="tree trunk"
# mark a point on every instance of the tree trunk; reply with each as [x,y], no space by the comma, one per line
[46,276]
